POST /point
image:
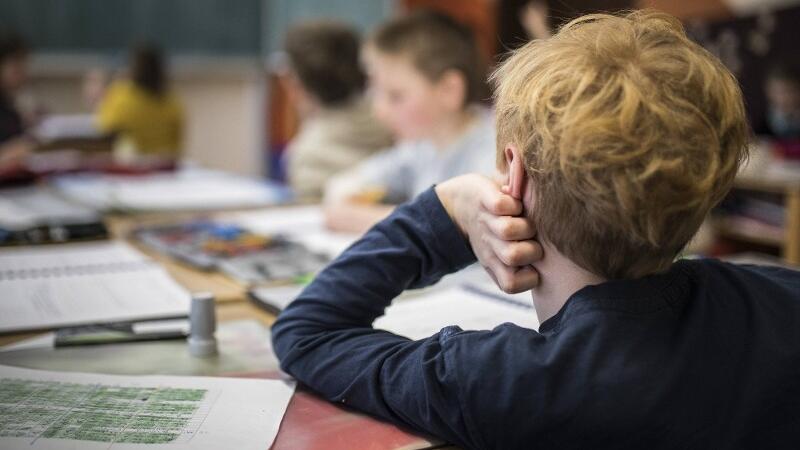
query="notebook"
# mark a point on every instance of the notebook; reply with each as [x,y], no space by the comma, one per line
[83,284]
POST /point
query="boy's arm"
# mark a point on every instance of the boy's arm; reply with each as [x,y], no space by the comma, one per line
[325,337]
[326,340]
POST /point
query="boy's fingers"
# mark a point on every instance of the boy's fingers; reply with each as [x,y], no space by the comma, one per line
[527,278]
[509,228]
[499,204]
[516,253]
[512,280]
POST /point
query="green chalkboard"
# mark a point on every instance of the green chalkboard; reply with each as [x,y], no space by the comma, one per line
[213,27]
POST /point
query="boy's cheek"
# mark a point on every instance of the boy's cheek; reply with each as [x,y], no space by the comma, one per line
[414,122]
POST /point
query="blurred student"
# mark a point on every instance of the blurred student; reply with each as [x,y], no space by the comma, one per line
[14,144]
[326,84]
[141,110]
[782,88]
[426,81]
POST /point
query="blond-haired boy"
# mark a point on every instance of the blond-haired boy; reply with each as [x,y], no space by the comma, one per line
[617,135]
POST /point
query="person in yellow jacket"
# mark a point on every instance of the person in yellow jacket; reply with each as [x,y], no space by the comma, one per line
[141,110]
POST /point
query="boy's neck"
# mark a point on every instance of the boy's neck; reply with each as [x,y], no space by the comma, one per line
[448,131]
[560,279]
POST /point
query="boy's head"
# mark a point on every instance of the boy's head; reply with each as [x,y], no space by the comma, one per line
[628,133]
[324,59]
[423,68]
[13,58]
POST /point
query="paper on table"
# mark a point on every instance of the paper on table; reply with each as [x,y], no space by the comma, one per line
[17,259]
[75,284]
[65,410]
[186,189]
[297,219]
[424,315]
[277,298]
[68,126]
[303,224]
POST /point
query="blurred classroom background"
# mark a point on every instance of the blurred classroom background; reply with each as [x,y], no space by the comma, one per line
[227,110]
[225,65]
[220,53]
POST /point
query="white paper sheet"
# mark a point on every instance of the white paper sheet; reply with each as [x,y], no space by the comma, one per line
[84,254]
[74,284]
[67,126]
[303,224]
[277,297]
[63,410]
[426,314]
[186,189]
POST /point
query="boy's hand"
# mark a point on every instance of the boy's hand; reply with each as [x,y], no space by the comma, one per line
[502,241]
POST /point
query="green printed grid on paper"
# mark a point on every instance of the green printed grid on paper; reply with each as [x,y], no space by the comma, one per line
[95,412]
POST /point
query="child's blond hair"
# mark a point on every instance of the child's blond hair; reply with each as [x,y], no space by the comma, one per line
[630,133]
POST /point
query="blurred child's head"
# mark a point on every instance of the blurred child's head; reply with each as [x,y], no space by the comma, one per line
[324,65]
[147,69]
[13,63]
[423,68]
[783,95]
[629,133]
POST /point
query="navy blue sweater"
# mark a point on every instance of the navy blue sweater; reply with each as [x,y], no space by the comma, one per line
[704,356]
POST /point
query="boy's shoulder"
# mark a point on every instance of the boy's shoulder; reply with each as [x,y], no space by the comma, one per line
[718,273]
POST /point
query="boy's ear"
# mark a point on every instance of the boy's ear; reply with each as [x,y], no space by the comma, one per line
[517,177]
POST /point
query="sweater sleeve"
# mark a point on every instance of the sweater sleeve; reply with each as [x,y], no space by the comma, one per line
[325,337]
